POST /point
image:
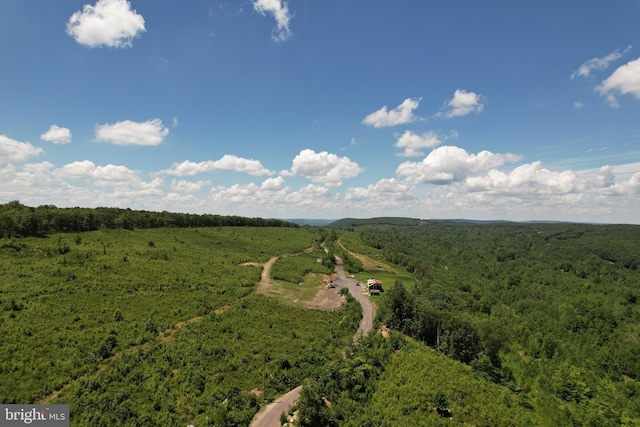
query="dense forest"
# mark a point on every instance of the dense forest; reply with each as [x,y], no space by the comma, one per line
[19,220]
[544,316]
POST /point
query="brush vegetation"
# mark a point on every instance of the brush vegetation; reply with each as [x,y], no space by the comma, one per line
[485,323]
[159,326]
[504,324]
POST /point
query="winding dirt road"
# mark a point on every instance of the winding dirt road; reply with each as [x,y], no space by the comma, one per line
[368,311]
[269,416]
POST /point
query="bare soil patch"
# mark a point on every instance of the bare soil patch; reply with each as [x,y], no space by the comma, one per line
[326,299]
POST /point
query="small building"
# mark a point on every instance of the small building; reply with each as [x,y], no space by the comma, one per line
[374,286]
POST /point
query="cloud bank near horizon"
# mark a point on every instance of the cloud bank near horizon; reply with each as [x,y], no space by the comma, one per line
[447,182]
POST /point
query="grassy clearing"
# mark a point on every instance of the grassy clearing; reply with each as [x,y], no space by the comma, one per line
[303,291]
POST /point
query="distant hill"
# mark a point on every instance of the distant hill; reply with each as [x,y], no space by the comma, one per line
[313,222]
[402,221]
[355,222]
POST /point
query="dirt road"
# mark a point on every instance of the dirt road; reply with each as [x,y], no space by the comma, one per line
[368,311]
[270,415]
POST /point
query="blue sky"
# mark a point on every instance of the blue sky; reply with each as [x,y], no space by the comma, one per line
[324,109]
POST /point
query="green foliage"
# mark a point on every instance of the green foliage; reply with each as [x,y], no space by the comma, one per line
[63,313]
[548,310]
[350,263]
[512,324]
[207,370]
[294,269]
[390,382]
[20,220]
[416,382]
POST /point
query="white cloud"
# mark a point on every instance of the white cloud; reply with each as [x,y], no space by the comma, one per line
[605,177]
[183,186]
[382,192]
[16,151]
[578,105]
[109,23]
[325,168]
[227,162]
[127,132]
[57,135]
[280,11]
[448,164]
[235,194]
[81,183]
[529,191]
[413,143]
[255,200]
[598,63]
[108,176]
[77,170]
[239,164]
[463,103]
[632,186]
[272,184]
[621,180]
[528,179]
[309,195]
[402,114]
[625,80]
[105,175]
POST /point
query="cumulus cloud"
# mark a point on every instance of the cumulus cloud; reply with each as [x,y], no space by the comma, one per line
[383,191]
[530,178]
[252,198]
[402,114]
[448,164]
[632,186]
[605,177]
[227,162]
[109,23]
[77,170]
[324,167]
[272,184]
[623,180]
[624,80]
[598,63]
[280,11]
[463,103]
[414,143]
[114,173]
[109,185]
[108,175]
[57,135]
[16,151]
[183,186]
[127,132]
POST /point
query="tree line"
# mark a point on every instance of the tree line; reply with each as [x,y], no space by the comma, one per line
[18,220]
